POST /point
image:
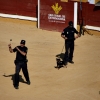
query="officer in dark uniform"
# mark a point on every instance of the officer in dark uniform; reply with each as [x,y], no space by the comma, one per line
[69,35]
[20,62]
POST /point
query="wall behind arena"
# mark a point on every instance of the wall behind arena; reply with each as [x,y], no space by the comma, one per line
[19,7]
[50,19]
[90,14]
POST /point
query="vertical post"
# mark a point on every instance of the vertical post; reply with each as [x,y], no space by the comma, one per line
[75,14]
[38,14]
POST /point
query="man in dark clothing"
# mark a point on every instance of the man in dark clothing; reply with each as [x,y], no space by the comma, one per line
[69,35]
[20,62]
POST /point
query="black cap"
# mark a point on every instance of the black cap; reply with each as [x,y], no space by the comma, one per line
[22,42]
[70,23]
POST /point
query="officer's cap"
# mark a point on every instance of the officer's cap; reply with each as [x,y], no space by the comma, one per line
[22,42]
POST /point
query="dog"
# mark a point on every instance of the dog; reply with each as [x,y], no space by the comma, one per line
[59,63]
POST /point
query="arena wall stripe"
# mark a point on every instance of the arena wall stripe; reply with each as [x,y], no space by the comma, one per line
[18,17]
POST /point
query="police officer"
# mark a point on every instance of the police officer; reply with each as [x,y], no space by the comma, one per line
[69,36]
[20,62]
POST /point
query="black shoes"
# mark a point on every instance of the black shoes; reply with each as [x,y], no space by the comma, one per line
[28,82]
[16,87]
[70,61]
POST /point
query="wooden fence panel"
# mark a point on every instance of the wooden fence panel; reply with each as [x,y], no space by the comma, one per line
[50,19]
[19,7]
[90,13]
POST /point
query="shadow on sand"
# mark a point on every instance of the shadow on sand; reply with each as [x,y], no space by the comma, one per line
[13,79]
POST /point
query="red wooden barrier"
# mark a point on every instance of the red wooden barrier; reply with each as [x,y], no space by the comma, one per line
[19,7]
[55,15]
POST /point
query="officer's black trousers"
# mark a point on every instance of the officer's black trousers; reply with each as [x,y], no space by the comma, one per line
[69,49]
[19,66]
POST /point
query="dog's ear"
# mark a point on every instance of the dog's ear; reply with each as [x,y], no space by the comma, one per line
[57,59]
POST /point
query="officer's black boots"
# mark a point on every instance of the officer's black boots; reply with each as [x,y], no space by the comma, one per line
[70,61]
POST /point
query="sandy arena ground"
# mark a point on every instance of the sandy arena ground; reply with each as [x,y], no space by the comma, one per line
[80,81]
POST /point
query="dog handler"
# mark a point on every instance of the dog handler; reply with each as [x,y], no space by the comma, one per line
[69,36]
[20,62]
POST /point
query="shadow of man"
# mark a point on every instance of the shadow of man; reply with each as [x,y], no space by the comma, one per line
[13,79]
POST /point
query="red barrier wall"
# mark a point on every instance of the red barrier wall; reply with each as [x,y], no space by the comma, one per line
[90,14]
[19,7]
[93,15]
[51,20]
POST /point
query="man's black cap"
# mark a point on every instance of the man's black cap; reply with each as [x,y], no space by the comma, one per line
[70,23]
[22,42]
